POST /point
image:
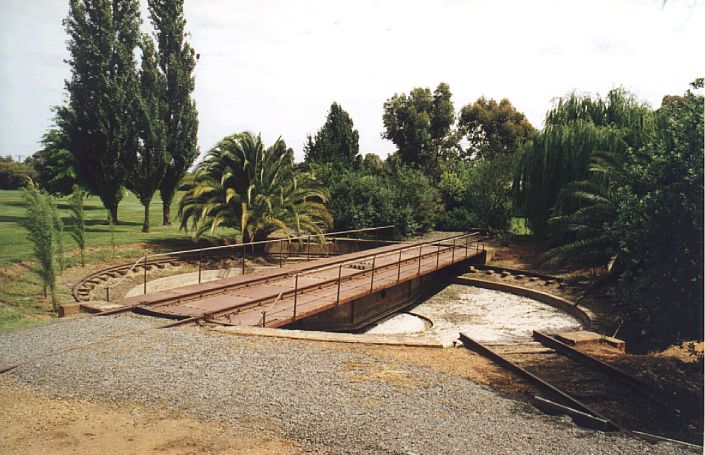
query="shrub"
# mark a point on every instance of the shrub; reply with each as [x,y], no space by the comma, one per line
[14,175]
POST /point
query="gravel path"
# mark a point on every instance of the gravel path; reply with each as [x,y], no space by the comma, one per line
[324,399]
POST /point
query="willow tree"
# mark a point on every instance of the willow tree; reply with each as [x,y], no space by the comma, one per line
[177,60]
[243,185]
[576,127]
[100,121]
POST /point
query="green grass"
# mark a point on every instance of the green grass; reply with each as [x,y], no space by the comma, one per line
[22,303]
[518,226]
[15,247]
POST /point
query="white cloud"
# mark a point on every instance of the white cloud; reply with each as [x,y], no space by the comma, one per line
[276,66]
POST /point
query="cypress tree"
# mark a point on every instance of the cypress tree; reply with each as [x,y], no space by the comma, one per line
[100,118]
[147,163]
[177,60]
[336,142]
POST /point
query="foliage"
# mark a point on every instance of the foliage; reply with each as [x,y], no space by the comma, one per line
[77,228]
[242,184]
[398,195]
[147,162]
[99,120]
[477,194]
[177,61]
[54,164]
[41,224]
[14,175]
[421,126]
[660,228]
[336,142]
[493,128]
[560,153]
[372,163]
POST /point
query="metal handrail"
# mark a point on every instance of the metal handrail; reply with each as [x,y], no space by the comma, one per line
[144,259]
[378,255]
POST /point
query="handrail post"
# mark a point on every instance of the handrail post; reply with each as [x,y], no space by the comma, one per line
[399,268]
[333,240]
[243,259]
[438,254]
[200,259]
[296,291]
[419,271]
[107,294]
[281,253]
[467,240]
[264,318]
[372,279]
[145,274]
[453,256]
[477,246]
[308,249]
[340,274]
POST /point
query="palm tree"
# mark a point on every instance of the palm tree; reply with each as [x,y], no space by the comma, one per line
[587,209]
[243,185]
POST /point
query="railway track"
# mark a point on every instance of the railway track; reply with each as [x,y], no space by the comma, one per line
[593,393]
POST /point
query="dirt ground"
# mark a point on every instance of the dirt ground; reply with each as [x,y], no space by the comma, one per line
[33,423]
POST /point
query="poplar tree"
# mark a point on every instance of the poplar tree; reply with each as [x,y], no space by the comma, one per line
[99,120]
[177,60]
[147,163]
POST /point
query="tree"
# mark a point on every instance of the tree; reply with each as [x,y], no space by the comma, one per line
[421,125]
[147,162]
[575,127]
[55,164]
[41,224]
[177,60]
[373,163]
[77,229]
[493,128]
[243,185]
[660,229]
[336,142]
[99,120]
[14,175]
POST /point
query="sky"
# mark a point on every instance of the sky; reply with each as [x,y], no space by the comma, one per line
[275,66]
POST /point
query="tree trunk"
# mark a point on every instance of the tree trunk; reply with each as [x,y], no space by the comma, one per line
[114,214]
[145,226]
[166,213]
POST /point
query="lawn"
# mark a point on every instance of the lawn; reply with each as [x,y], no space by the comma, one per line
[15,247]
[21,298]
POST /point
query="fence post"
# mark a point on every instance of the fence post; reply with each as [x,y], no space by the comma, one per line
[453,256]
[308,249]
[145,274]
[243,259]
[107,294]
[296,291]
[264,318]
[419,271]
[438,254]
[372,279]
[340,273]
[200,259]
[399,268]
[467,240]
[281,253]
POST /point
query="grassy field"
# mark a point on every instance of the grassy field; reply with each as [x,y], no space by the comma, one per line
[15,247]
[21,297]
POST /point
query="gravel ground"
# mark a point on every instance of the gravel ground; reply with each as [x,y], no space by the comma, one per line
[324,399]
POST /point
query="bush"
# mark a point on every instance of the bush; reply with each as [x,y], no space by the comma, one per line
[14,175]
[400,196]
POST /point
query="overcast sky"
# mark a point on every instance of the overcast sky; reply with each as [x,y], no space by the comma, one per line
[276,66]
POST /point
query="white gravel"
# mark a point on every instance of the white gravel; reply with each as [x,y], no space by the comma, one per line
[325,399]
[486,315]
